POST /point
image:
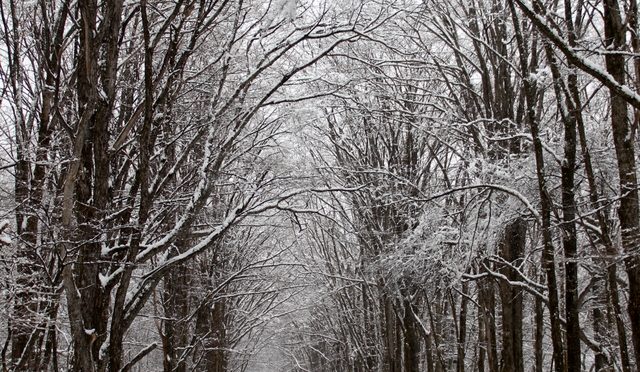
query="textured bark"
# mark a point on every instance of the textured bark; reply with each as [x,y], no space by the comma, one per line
[176,325]
[428,344]
[89,313]
[487,302]
[480,345]
[599,323]
[512,251]
[211,323]
[462,327]
[390,329]
[411,340]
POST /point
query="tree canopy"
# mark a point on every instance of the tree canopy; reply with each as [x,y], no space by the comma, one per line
[304,185]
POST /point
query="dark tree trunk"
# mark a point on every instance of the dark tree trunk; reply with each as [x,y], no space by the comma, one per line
[211,325]
[481,344]
[428,344]
[462,327]
[176,326]
[599,322]
[512,251]
[435,312]
[411,340]
[390,329]
[487,303]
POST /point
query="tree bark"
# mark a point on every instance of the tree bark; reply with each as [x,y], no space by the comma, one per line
[176,326]
[512,251]
[411,340]
[462,327]
[487,303]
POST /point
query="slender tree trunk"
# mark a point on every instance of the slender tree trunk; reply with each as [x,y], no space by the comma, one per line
[435,312]
[488,304]
[538,346]
[428,344]
[548,254]
[462,327]
[599,322]
[569,106]
[481,345]
[611,252]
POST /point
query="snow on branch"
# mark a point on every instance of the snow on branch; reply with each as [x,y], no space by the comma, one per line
[579,61]
[513,192]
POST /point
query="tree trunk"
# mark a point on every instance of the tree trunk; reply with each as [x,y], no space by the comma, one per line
[538,346]
[176,325]
[548,253]
[210,329]
[389,334]
[462,327]
[512,251]
[599,322]
[569,107]
[481,344]
[487,303]
[411,340]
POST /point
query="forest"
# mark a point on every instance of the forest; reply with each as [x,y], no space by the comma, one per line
[319,185]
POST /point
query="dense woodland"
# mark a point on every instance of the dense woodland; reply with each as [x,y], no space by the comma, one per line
[319,185]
